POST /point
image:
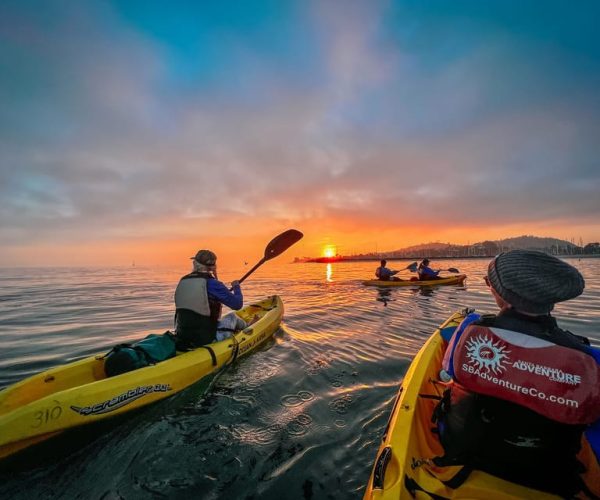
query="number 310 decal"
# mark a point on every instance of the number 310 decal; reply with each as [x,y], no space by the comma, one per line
[44,416]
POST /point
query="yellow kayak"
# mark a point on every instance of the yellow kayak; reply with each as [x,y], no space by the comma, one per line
[457,279]
[403,468]
[79,393]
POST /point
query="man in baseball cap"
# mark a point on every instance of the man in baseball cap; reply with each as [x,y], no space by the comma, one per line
[205,257]
[199,298]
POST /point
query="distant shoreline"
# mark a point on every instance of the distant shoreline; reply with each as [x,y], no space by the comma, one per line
[389,259]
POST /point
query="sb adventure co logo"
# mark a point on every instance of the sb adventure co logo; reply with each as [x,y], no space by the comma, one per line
[486,355]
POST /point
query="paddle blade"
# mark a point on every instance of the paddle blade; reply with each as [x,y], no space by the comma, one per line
[276,246]
[412,267]
[281,243]
[453,270]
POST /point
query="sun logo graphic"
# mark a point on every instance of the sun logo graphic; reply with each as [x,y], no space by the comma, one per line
[487,355]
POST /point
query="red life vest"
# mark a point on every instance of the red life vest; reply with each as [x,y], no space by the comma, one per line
[557,382]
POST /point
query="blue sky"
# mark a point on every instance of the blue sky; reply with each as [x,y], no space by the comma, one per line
[139,123]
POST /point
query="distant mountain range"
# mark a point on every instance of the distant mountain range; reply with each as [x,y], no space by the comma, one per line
[490,248]
[533,242]
[486,248]
[523,242]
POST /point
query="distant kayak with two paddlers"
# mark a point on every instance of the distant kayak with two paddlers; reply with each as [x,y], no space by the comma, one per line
[387,277]
[449,280]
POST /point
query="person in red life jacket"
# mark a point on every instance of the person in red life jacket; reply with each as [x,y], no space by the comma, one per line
[521,391]
[426,273]
[385,274]
[199,298]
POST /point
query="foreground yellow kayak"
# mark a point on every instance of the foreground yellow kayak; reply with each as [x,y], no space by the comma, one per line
[79,393]
[458,279]
[403,467]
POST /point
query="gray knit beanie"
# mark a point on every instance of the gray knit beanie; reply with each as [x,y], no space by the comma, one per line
[532,282]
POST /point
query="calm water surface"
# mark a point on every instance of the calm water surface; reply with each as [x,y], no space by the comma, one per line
[300,418]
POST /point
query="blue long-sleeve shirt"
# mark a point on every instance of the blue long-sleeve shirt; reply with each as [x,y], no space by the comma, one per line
[427,272]
[217,290]
[383,273]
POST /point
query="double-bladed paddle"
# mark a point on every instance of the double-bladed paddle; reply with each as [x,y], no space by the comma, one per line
[276,247]
[412,267]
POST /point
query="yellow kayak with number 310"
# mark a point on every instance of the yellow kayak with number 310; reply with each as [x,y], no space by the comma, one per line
[79,393]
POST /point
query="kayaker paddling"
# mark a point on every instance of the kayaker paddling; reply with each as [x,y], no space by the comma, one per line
[385,274]
[80,393]
[521,390]
[199,298]
[426,273]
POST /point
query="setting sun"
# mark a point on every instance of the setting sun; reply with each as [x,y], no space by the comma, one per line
[329,251]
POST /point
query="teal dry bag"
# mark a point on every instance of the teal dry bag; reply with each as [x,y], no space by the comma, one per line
[150,350]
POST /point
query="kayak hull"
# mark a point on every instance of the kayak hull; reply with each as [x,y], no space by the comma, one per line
[79,393]
[403,467]
[450,280]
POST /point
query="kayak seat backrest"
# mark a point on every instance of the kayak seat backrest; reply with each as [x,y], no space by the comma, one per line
[152,349]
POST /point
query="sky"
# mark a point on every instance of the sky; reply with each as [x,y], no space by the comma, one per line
[142,131]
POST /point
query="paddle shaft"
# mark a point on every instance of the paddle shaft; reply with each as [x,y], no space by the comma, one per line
[407,268]
[276,247]
[256,266]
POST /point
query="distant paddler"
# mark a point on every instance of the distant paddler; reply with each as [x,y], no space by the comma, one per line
[427,274]
[385,274]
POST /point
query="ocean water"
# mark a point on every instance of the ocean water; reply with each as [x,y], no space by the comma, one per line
[300,418]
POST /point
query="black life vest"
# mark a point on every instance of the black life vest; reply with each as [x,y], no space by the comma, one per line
[196,312]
